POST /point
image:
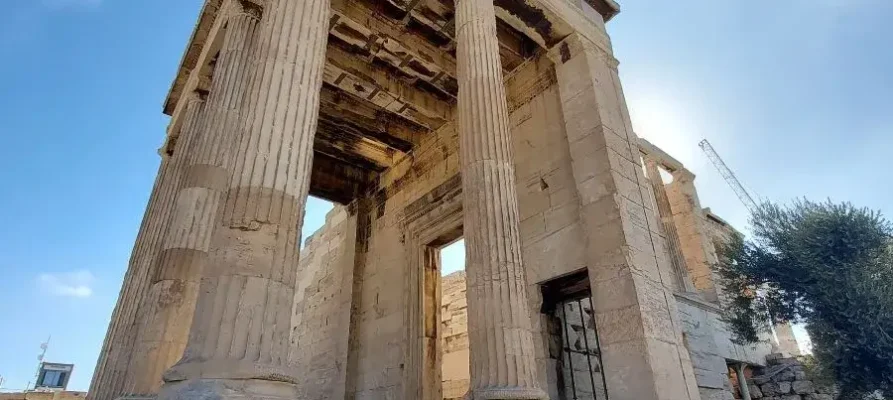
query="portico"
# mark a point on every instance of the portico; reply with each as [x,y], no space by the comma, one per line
[501,121]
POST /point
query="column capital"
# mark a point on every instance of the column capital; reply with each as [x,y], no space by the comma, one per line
[576,44]
[192,100]
[247,8]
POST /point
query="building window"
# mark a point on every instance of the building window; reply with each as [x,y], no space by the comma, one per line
[567,305]
[52,379]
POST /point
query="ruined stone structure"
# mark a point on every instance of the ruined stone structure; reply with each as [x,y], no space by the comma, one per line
[502,122]
[707,339]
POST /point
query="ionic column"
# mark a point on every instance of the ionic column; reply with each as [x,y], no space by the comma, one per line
[207,172]
[168,306]
[239,341]
[674,246]
[499,327]
[109,379]
[120,365]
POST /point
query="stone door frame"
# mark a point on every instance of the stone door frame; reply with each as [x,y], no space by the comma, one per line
[429,224]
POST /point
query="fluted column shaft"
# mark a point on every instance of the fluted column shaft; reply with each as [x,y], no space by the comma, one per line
[119,365]
[673,244]
[499,327]
[240,333]
[167,309]
[207,172]
[108,380]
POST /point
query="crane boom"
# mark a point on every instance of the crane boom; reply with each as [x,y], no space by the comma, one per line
[728,175]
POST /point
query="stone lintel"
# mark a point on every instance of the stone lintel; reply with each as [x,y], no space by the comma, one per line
[661,157]
[548,22]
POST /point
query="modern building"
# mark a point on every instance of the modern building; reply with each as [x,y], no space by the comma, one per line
[53,376]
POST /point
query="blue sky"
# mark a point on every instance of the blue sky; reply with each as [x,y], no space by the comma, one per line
[796,95]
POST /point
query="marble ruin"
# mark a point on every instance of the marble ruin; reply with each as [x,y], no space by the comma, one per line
[502,122]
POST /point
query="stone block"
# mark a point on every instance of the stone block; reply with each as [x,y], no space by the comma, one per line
[784,376]
[715,394]
[817,396]
[775,388]
[784,387]
[803,387]
[755,392]
[774,358]
[791,397]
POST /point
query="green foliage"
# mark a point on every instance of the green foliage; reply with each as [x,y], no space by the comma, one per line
[829,265]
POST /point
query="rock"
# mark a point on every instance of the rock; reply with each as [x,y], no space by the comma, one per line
[774,358]
[775,389]
[784,387]
[791,397]
[762,379]
[816,396]
[755,392]
[784,376]
[799,375]
[803,387]
[769,374]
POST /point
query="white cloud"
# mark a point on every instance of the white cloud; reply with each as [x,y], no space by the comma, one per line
[67,284]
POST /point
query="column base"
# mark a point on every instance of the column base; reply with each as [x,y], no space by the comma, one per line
[226,389]
[506,394]
[235,370]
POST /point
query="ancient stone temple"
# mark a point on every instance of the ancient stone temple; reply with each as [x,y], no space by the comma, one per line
[500,122]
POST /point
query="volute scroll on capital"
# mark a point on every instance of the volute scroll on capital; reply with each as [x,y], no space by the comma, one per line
[247,8]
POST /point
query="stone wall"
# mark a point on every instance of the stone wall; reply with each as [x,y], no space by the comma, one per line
[706,337]
[320,322]
[383,358]
[695,234]
[552,238]
[52,395]
[710,345]
[786,379]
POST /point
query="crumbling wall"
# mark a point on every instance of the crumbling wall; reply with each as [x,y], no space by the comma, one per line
[321,315]
[786,379]
[694,234]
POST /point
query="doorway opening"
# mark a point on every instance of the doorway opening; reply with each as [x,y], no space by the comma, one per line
[446,373]
[573,338]
[455,373]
